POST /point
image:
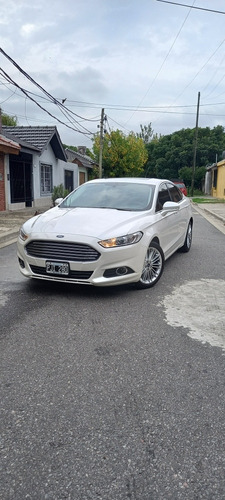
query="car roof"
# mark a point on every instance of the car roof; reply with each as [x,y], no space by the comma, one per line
[134,180]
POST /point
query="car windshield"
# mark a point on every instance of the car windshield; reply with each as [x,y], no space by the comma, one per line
[114,195]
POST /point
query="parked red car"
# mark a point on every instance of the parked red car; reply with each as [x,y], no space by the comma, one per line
[181,186]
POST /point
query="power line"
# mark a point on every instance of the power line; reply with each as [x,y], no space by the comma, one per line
[39,105]
[129,107]
[66,112]
[166,57]
[53,99]
[192,7]
[198,72]
[147,109]
[95,105]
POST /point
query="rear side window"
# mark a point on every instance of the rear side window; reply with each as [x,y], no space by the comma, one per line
[175,193]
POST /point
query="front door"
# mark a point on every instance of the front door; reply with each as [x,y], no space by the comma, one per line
[69,180]
[81,178]
[20,170]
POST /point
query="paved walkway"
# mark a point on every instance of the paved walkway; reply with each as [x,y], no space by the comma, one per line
[213,212]
[11,221]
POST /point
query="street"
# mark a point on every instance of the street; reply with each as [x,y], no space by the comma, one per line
[114,393]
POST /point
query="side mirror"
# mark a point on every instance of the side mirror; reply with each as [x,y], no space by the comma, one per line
[58,201]
[170,206]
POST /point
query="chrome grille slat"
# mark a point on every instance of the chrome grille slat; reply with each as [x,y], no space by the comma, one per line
[75,252]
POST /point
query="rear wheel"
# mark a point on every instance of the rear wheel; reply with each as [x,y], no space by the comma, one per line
[152,267]
[188,240]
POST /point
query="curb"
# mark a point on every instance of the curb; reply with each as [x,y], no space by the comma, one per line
[209,212]
[214,215]
[8,236]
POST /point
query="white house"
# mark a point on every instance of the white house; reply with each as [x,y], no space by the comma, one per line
[41,164]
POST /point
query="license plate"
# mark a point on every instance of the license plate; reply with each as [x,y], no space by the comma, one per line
[57,268]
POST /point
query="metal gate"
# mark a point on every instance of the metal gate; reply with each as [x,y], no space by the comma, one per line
[20,169]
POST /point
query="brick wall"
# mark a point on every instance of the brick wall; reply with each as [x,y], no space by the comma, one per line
[2,183]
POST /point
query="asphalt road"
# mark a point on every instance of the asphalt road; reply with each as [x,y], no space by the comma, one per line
[115,394]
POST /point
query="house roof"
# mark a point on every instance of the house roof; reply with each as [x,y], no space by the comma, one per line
[37,138]
[221,163]
[8,146]
[72,156]
[214,166]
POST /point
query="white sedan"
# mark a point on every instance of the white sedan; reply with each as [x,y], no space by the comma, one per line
[108,232]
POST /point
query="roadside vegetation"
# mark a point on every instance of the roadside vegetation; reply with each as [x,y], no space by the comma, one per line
[170,157]
[59,192]
[202,199]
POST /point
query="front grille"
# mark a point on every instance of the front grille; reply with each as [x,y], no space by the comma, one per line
[60,250]
[78,275]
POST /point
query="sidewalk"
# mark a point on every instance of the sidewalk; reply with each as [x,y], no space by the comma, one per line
[214,212]
[11,221]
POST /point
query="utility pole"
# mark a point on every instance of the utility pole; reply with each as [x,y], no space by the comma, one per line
[195,147]
[101,143]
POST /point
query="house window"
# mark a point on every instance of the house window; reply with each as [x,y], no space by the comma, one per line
[46,179]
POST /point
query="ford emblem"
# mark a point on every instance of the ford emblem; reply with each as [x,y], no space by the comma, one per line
[60,236]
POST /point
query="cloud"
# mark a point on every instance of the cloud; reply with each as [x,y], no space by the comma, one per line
[118,55]
[29,29]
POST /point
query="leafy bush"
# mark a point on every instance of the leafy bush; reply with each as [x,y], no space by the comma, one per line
[59,192]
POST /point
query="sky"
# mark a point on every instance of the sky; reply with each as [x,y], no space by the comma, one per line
[141,61]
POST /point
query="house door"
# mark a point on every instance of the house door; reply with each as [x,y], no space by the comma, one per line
[69,180]
[81,178]
[20,169]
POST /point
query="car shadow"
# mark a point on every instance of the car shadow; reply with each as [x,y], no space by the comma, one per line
[47,288]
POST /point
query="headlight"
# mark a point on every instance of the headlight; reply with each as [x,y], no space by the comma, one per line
[22,234]
[120,241]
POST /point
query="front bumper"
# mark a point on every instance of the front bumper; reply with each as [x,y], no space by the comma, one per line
[115,266]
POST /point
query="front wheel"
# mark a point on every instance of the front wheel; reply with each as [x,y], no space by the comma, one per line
[152,267]
[188,239]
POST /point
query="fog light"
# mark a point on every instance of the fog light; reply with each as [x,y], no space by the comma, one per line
[117,271]
[121,271]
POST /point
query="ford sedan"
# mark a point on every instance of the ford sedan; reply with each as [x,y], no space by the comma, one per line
[108,232]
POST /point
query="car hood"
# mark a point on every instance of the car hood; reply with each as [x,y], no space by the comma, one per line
[94,222]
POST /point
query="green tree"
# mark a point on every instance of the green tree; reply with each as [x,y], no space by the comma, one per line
[171,156]
[146,133]
[122,156]
[199,177]
[9,121]
[185,174]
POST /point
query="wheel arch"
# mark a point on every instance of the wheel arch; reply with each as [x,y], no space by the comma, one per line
[155,240]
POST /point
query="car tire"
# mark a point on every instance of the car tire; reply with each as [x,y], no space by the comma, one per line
[188,239]
[152,267]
